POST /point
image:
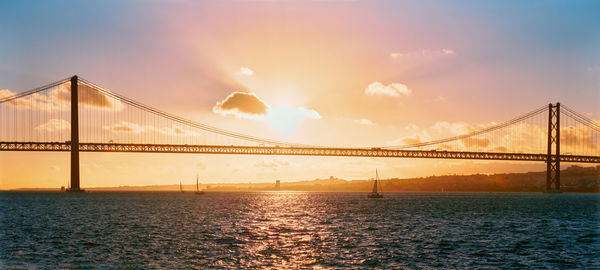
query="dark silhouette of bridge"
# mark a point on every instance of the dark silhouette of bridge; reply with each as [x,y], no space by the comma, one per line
[75,115]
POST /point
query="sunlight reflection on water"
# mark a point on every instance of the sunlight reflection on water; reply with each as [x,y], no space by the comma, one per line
[295,229]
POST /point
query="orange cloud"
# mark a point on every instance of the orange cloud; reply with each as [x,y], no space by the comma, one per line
[501,149]
[413,139]
[129,127]
[579,139]
[242,105]
[273,164]
[201,166]
[89,97]
[54,125]
[250,106]
[523,137]
[476,142]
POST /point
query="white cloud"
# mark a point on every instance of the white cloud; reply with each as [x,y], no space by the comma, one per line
[448,52]
[54,98]
[4,93]
[397,55]
[412,128]
[392,90]
[364,121]
[245,71]
[426,53]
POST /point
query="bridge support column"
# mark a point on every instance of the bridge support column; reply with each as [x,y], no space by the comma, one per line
[553,161]
[74,137]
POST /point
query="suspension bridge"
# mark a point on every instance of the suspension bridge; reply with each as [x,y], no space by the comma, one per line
[75,115]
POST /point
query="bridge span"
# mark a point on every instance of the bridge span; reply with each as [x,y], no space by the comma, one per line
[75,115]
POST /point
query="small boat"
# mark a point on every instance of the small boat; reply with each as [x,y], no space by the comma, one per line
[198,192]
[375,193]
[180,187]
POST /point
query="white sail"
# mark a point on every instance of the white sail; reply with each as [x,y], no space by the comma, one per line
[376,179]
[375,193]
[375,186]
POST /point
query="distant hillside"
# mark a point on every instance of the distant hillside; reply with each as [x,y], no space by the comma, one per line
[573,179]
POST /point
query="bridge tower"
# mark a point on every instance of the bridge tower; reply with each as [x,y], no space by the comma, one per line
[74,136]
[553,161]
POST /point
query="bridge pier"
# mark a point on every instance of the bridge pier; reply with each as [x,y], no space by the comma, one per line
[75,187]
[553,161]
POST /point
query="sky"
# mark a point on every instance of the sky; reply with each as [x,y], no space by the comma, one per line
[342,73]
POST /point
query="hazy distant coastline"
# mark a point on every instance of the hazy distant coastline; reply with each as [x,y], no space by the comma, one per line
[573,179]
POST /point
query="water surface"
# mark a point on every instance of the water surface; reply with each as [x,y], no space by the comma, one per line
[299,230]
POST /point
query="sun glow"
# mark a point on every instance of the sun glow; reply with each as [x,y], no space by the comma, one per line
[286,118]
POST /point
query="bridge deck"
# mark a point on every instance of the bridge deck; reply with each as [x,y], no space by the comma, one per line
[276,150]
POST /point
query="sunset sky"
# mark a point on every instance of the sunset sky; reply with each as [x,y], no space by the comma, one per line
[342,73]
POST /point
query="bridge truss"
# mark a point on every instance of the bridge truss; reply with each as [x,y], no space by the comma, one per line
[289,151]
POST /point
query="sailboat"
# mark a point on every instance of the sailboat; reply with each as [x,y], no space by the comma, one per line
[198,192]
[180,187]
[375,193]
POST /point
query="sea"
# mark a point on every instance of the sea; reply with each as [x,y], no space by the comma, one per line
[281,230]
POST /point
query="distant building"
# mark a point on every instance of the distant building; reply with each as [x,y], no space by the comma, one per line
[277,185]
